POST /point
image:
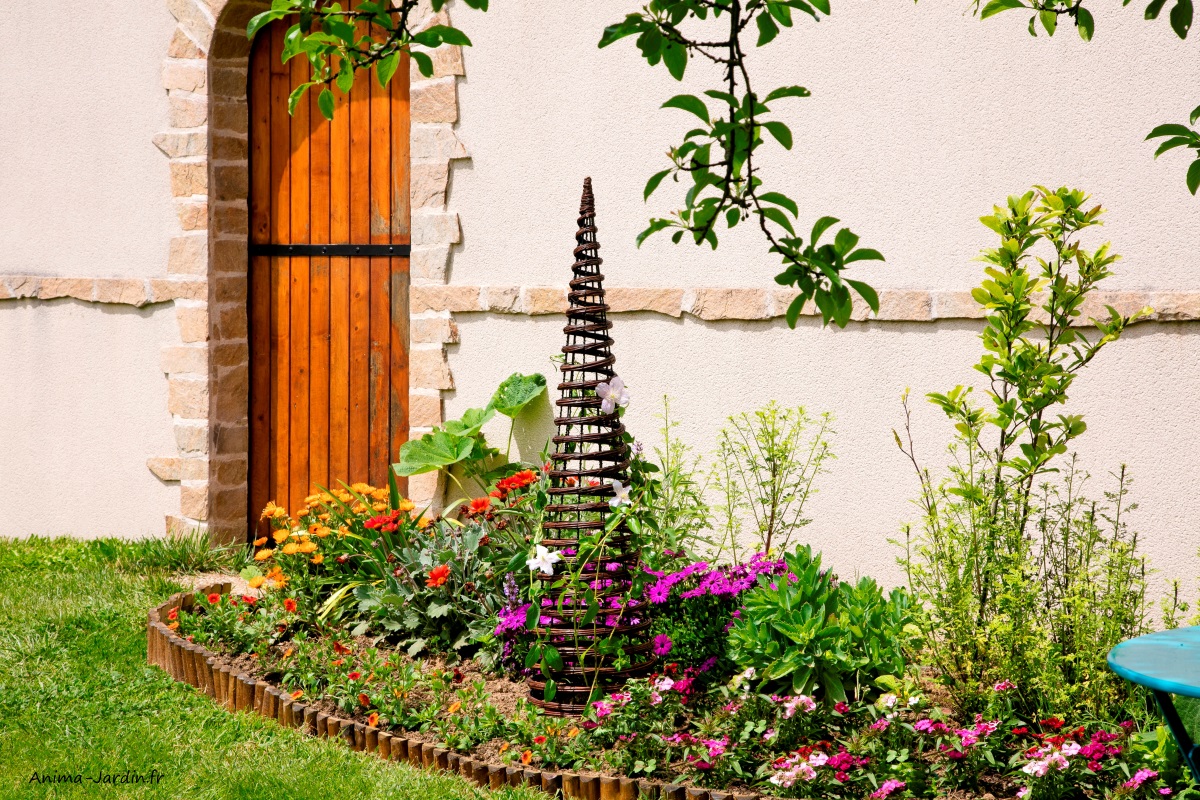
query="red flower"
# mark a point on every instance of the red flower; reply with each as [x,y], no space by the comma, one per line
[289,605]
[249,599]
[1020,731]
[337,662]
[355,675]
[479,505]
[438,576]
[173,614]
[342,559]
[841,708]
[373,720]
[539,740]
[340,648]
[496,493]
[233,601]
[214,598]
[363,699]
[1054,723]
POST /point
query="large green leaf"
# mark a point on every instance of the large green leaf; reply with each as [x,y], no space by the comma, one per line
[433,451]
[473,419]
[516,392]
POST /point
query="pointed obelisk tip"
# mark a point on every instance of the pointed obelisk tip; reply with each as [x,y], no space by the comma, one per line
[587,204]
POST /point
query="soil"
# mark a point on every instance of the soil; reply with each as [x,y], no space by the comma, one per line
[192,581]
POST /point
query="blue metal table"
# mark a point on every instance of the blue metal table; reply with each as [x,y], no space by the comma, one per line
[1166,663]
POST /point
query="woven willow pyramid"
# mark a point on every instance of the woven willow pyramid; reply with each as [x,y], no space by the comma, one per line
[589,453]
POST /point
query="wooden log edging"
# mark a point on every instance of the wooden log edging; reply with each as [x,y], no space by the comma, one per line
[191,663]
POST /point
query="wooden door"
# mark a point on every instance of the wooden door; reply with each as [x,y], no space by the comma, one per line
[328,287]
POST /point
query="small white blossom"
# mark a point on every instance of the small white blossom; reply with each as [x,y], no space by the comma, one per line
[543,560]
[612,394]
[620,494]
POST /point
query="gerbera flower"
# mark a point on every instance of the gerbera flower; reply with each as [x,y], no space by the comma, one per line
[289,605]
[437,576]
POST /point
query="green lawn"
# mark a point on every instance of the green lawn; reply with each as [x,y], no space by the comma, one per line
[77,698]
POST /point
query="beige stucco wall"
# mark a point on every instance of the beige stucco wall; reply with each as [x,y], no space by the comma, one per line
[84,192]
[921,118]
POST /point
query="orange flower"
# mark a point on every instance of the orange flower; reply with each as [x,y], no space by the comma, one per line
[337,662]
[173,613]
[270,510]
[504,747]
[406,505]
[281,535]
[340,648]
[318,558]
[173,626]
[260,541]
[479,505]
[290,605]
[214,598]
[424,522]
[539,740]
[373,720]
[291,548]
[438,576]
[287,654]
[527,756]
[307,547]
[454,707]
[571,734]
[363,699]
[263,555]
[296,695]
[256,581]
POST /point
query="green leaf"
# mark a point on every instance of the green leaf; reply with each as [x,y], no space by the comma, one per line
[1193,176]
[844,241]
[864,254]
[433,451]
[259,21]
[417,646]
[385,67]
[630,25]
[767,29]
[345,78]
[866,292]
[516,392]
[781,200]
[473,419]
[1085,24]
[296,96]
[393,489]
[656,225]
[780,132]
[325,103]
[787,91]
[533,615]
[550,691]
[1195,115]
[437,610]
[1049,21]
[1170,129]
[1170,144]
[821,225]
[996,6]
[1153,8]
[424,62]
[688,102]
[449,35]
[777,216]
[653,183]
[675,57]
[553,658]
[1181,18]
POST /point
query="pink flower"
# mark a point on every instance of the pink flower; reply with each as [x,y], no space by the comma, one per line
[880,725]
[1058,761]
[603,709]
[841,708]
[662,644]
[1004,686]
[1140,777]
[887,788]
[802,702]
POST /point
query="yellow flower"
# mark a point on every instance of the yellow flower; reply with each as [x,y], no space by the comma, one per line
[260,541]
[406,505]
[362,488]
[269,510]
[263,555]
[358,508]
[256,581]
[307,547]
[527,756]
[454,707]
[318,558]
[316,526]
[312,500]
[300,513]
[321,532]
[379,494]
[571,734]
[424,522]
[280,512]
[281,535]
[323,517]
[504,747]
[379,506]
[287,654]
[291,548]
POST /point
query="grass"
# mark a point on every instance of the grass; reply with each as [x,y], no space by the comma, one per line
[77,697]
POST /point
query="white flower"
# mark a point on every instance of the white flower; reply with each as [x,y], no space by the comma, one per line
[543,560]
[1071,749]
[889,700]
[1035,768]
[818,759]
[620,494]
[612,394]
[916,698]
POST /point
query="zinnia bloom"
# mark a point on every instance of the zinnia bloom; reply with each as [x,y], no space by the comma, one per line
[539,740]
[296,695]
[454,707]
[438,576]
[355,675]
[214,598]
[249,599]
[290,605]
[173,614]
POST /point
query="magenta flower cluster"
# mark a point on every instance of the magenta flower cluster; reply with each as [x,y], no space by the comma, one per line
[715,581]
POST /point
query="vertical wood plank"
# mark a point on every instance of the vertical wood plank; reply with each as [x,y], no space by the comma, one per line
[319,297]
[301,267]
[360,277]
[280,231]
[400,154]
[379,406]
[258,289]
[339,292]
[400,225]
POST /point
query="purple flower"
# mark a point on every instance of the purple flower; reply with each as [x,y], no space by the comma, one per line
[662,644]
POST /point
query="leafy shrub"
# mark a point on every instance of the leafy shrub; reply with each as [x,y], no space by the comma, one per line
[809,633]
[766,464]
[1022,577]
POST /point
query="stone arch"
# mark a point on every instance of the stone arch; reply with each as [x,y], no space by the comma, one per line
[205,75]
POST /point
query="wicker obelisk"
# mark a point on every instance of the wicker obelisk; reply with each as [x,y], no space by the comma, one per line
[590,453]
